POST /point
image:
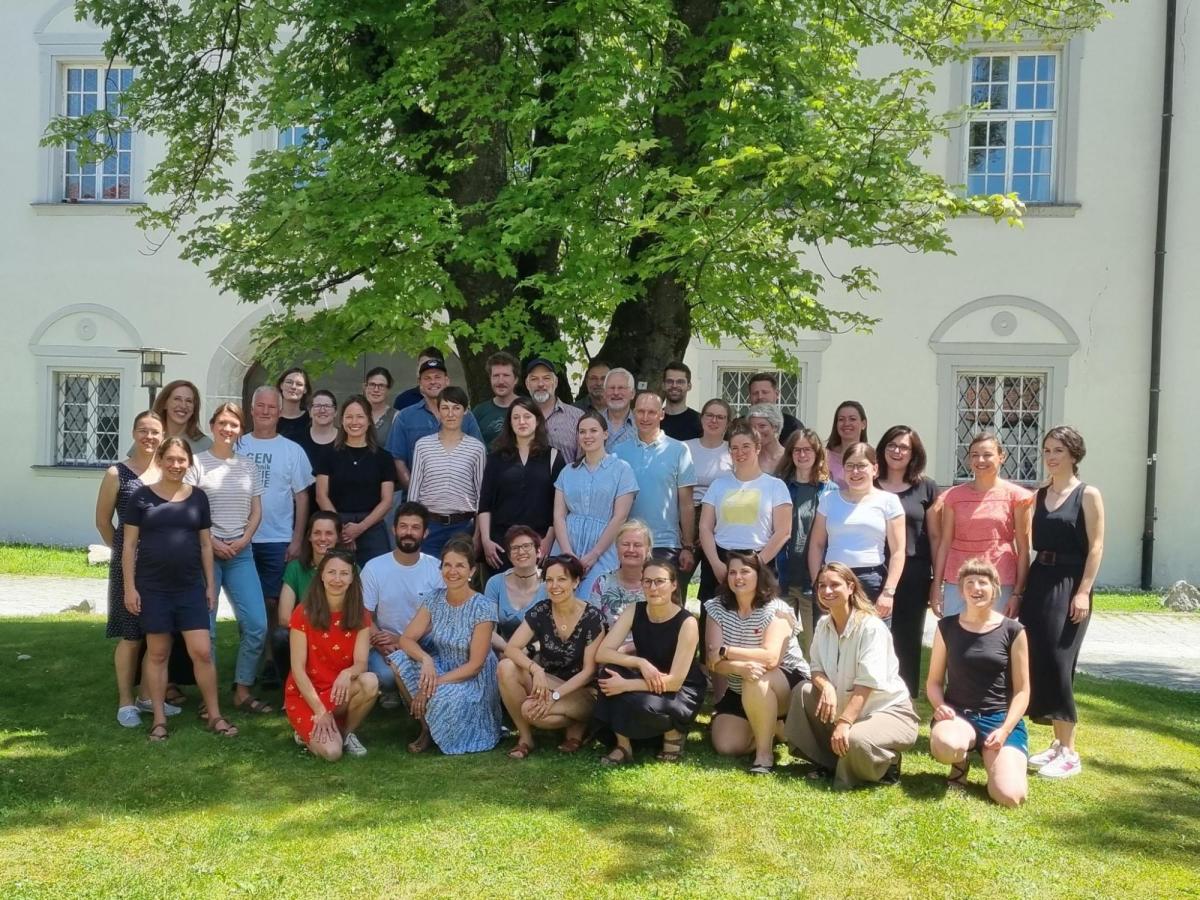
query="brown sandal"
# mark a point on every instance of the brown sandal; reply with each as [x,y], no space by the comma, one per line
[158,733]
[221,726]
[672,751]
[570,745]
[623,757]
[521,751]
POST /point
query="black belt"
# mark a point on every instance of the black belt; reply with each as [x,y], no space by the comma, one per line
[452,519]
[1054,558]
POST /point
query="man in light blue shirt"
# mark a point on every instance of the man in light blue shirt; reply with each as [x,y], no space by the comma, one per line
[665,477]
[619,386]
[415,422]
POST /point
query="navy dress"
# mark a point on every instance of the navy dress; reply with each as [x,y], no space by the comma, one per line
[121,622]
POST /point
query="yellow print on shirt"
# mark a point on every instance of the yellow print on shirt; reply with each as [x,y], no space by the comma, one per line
[741,507]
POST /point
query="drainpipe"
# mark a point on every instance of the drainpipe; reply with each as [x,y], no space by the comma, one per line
[1156,315]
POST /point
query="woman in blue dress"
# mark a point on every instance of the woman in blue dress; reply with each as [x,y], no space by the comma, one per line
[518,588]
[592,499]
[445,667]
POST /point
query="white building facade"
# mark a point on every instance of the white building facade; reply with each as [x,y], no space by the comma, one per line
[1022,329]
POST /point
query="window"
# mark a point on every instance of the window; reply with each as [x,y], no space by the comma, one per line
[88,89]
[1012,139]
[88,418]
[292,136]
[735,389]
[1012,405]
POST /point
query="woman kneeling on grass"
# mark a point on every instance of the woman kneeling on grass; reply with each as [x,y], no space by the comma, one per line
[750,639]
[855,718]
[982,659]
[658,687]
[556,688]
[329,690]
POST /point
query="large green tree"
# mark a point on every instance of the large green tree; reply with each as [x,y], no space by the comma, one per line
[540,175]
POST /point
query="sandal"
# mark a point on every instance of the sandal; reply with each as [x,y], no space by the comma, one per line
[957,779]
[761,769]
[521,751]
[819,773]
[175,696]
[158,733]
[623,757]
[251,704]
[223,727]
[671,752]
[570,745]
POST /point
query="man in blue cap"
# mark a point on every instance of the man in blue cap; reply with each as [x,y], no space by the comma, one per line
[541,381]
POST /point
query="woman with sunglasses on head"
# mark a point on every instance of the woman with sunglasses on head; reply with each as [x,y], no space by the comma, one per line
[658,687]
[518,588]
[902,472]
[234,488]
[356,480]
[296,389]
[863,527]
[329,690]
[750,640]
[555,687]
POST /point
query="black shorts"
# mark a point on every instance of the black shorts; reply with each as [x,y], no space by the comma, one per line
[731,703]
[164,612]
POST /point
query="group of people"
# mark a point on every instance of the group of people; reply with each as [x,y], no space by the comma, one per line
[534,575]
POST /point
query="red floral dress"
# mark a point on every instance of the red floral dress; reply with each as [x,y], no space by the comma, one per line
[329,652]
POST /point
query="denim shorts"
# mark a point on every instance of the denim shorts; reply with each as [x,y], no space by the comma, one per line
[985,723]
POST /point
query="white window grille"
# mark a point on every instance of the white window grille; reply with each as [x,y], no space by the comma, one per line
[87,418]
[735,389]
[88,89]
[1012,406]
[1012,140]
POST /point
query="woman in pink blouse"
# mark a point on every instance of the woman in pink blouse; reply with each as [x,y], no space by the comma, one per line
[988,518]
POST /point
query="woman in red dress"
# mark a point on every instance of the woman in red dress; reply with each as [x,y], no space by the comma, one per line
[329,691]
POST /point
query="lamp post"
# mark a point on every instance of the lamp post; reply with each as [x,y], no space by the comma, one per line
[152,367]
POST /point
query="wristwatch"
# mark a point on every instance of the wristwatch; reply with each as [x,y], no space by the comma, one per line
[555,696]
[721,653]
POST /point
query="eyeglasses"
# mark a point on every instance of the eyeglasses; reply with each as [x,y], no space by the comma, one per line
[716,417]
[857,467]
[801,451]
[897,448]
[324,407]
[655,582]
[376,385]
[522,548]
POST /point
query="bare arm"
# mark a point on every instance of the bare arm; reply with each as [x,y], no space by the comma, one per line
[818,538]
[1022,520]
[708,537]
[936,679]
[933,528]
[587,671]
[771,651]
[417,629]
[323,501]
[382,508]
[781,532]
[128,568]
[287,603]
[1018,663]
[206,562]
[621,507]
[106,505]
[940,556]
[251,525]
[687,516]
[402,475]
[609,652]
[560,522]
[1093,518]
[896,539]
[299,523]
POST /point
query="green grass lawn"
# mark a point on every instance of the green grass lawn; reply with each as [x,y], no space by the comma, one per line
[88,809]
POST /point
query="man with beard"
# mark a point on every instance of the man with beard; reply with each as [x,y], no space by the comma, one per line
[561,420]
[681,422]
[492,414]
[394,585]
[593,382]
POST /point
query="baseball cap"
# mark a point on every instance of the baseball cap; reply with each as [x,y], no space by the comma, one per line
[432,364]
[539,361]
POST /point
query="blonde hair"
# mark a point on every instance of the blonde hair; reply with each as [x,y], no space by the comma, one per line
[639,526]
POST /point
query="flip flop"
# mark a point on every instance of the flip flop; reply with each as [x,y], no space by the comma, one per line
[761,769]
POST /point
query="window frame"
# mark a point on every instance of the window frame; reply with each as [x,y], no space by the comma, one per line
[57,373]
[1044,423]
[802,387]
[103,70]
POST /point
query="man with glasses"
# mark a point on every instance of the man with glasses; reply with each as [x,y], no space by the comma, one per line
[681,422]
[375,388]
[491,414]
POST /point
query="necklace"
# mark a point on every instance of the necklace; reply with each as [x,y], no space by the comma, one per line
[532,574]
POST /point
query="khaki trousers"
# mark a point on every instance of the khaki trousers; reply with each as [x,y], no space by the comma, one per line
[875,741]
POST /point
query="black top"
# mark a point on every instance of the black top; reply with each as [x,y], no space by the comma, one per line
[407,398]
[977,665]
[1064,530]
[356,476]
[656,643]
[168,548]
[683,426]
[314,451]
[790,424]
[295,429]
[563,659]
[793,561]
[518,493]
[917,500]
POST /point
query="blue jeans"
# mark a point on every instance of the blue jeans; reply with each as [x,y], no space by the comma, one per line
[269,561]
[871,578]
[437,536]
[239,577]
[378,665]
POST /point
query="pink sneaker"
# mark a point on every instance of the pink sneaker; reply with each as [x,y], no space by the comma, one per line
[1066,765]
[1046,757]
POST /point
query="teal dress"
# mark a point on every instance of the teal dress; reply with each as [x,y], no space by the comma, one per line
[508,618]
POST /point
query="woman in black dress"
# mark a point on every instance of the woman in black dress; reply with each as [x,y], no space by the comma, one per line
[295,388]
[167,562]
[901,456]
[356,480]
[659,687]
[1068,544]
[555,688]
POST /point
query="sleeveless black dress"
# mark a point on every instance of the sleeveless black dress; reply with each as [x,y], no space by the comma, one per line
[1054,640]
[641,714]
[121,622]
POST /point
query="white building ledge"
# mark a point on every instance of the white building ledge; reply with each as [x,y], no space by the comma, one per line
[87,208]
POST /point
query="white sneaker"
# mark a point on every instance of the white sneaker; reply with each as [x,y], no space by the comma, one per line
[1046,757]
[352,745]
[1066,765]
[145,704]
[129,716]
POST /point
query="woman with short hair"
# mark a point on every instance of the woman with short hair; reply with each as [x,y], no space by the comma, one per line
[657,688]
[978,687]
[518,588]
[902,472]
[615,590]
[767,420]
[855,718]
[329,690]
[555,687]
[356,480]
[750,640]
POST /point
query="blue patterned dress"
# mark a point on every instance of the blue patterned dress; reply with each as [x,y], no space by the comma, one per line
[462,717]
[590,495]
[121,622]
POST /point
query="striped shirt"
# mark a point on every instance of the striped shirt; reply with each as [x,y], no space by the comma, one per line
[447,481]
[750,631]
[231,485]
